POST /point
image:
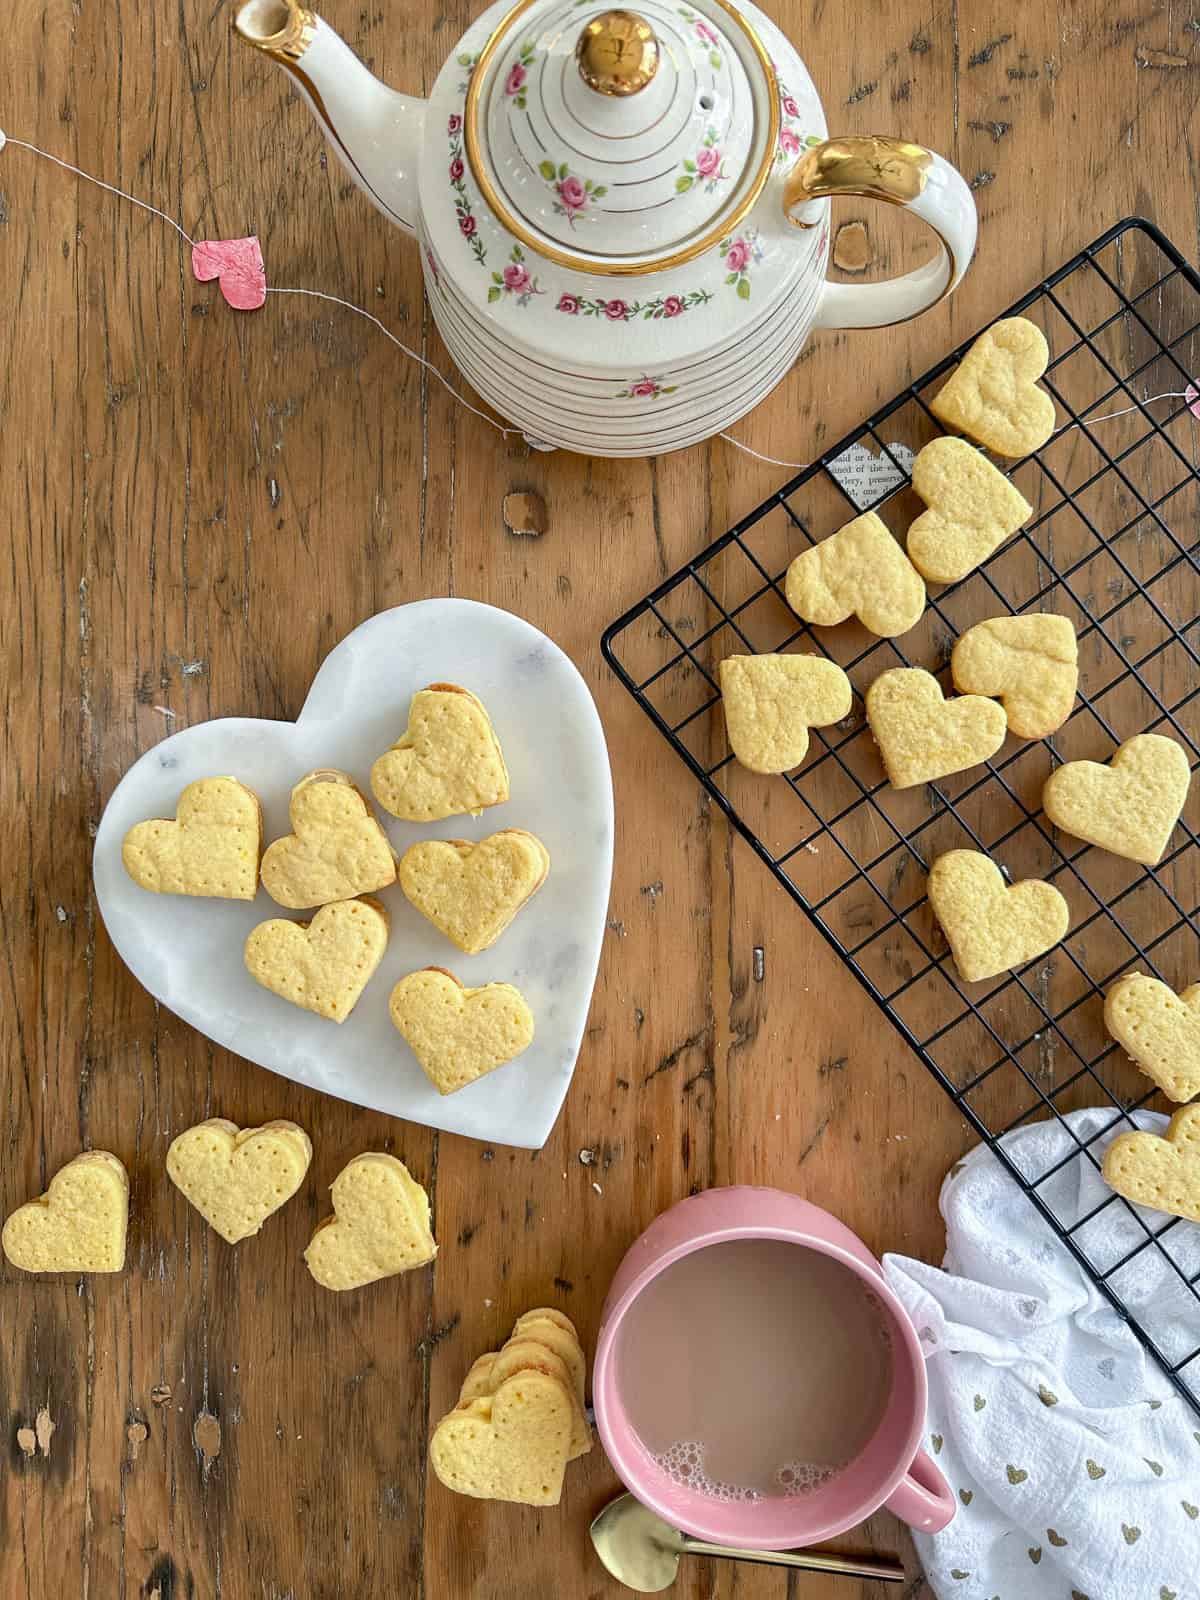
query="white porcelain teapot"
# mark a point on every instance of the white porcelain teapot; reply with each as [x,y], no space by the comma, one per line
[624,219]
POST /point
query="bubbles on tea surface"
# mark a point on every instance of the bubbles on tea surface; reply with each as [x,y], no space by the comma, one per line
[683,1463]
[803,1477]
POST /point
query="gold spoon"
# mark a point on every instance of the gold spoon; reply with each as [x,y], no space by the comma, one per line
[642,1551]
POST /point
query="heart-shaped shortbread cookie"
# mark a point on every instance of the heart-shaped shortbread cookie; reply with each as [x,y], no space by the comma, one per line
[511,1445]
[992,927]
[548,1330]
[237,1177]
[471,892]
[448,760]
[1129,806]
[994,396]
[1031,665]
[79,1224]
[322,965]
[552,1329]
[478,1382]
[549,1314]
[973,509]
[212,847]
[1160,1029]
[1163,1173]
[336,848]
[557,1333]
[380,1226]
[525,1353]
[458,1034]
[771,702]
[859,571]
[923,736]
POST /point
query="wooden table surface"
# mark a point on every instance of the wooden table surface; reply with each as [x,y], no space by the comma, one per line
[197,507]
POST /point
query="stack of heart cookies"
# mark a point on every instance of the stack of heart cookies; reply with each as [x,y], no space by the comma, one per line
[520,1416]
[337,859]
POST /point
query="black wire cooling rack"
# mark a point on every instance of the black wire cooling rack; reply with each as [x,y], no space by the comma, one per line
[1114,544]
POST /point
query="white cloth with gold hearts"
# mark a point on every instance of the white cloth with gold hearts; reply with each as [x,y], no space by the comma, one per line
[1075,1463]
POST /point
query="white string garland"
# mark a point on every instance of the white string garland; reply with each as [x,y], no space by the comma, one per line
[320,294]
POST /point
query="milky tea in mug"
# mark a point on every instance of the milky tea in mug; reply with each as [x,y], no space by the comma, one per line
[755,1368]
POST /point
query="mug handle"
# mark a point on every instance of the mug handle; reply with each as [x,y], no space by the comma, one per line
[901,174]
[923,1498]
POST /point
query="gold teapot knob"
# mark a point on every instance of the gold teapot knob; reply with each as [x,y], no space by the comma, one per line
[617,53]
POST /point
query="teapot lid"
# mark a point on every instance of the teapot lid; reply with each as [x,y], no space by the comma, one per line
[618,143]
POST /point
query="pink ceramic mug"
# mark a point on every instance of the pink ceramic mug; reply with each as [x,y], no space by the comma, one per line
[891,1471]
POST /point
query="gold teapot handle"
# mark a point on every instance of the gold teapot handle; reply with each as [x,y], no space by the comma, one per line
[874,167]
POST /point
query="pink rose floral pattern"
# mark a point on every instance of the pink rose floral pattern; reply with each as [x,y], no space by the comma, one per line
[518,73]
[572,195]
[707,168]
[467,224]
[645,388]
[662,305]
[707,35]
[739,255]
[515,280]
[791,140]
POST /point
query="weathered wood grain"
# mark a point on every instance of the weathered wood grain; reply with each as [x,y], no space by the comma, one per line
[197,507]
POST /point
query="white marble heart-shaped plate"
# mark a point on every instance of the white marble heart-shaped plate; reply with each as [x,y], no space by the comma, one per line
[188,952]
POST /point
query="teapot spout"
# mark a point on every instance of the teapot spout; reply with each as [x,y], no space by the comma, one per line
[375,131]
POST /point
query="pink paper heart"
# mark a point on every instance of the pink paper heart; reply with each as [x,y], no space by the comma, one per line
[238,263]
[1192,397]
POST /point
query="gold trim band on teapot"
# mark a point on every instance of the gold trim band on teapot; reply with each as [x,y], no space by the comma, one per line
[281,29]
[723,228]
